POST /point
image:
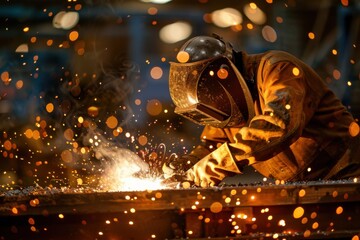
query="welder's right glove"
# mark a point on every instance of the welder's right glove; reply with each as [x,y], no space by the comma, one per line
[213,168]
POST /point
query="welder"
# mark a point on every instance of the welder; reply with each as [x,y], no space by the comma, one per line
[269,110]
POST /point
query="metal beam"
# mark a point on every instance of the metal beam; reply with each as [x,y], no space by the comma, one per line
[314,210]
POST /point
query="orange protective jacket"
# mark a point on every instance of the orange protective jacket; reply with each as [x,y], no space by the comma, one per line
[300,131]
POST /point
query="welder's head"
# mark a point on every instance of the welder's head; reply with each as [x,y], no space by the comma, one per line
[206,86]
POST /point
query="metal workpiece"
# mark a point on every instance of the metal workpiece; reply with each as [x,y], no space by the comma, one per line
[67,199]
[312,210]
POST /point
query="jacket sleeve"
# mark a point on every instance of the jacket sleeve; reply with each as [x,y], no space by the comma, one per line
[281,119]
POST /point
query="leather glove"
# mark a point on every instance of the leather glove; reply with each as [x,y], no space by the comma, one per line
[213,168]
[179,165]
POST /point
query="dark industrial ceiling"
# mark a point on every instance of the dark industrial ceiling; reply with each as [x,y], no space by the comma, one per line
[125,28]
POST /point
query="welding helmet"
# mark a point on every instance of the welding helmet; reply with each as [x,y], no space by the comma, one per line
[208,89]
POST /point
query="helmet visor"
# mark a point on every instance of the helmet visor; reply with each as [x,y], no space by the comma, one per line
[209,92]
[183,81]
[202,114]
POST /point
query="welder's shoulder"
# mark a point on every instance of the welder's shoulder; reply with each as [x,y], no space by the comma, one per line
[275,56]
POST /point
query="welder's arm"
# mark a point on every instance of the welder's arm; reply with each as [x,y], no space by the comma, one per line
[268,134]
[281,121]
[211,169]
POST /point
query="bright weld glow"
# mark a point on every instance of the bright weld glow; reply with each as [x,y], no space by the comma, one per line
[124,170]
[136,184]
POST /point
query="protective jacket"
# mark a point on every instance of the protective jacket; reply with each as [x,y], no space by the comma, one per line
[300,130]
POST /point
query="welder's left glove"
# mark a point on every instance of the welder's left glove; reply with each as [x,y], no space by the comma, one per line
[213,168]
[179,165]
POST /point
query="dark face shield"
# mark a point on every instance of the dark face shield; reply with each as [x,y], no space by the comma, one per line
[202,114]
[210,92]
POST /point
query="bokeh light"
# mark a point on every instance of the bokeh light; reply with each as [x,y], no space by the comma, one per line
[183,56]
[226,17]
[112,122]
[154,107]
[23,48]
[269,34]
[66,20]
[156,72]
[254,13]
[298,212]
[175,32]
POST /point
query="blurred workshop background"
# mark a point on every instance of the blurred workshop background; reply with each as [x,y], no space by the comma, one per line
[71,68]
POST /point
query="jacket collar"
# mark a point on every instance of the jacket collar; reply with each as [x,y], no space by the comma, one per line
[248,66]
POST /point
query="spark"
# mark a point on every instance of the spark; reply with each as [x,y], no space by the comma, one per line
[123,169]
